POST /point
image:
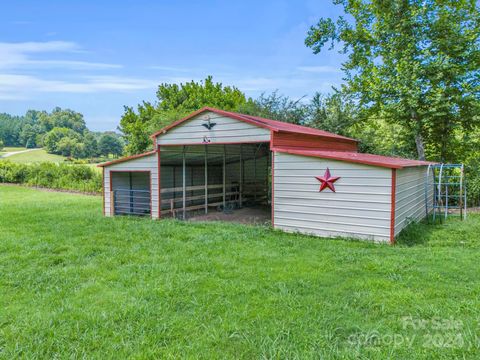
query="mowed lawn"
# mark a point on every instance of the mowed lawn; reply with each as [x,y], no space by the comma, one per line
[36,156]
[74,284]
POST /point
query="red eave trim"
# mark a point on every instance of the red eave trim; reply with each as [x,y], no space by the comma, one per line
[366,162]
[325,155]
[126,158]
[217,111]
[339,138]
[393,205]
[256,121]
[159,181]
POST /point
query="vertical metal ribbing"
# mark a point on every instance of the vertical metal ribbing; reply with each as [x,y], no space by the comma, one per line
[240,187]
[255,176]
[206,179]
[184,185]
[131,192]
[266,177]
[224,176]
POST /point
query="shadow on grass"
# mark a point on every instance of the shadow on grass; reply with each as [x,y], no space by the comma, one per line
[417,233]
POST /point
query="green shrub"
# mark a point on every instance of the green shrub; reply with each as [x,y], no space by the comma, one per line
[51,175]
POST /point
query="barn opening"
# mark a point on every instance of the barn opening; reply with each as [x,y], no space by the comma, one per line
[131,192]
[216,182]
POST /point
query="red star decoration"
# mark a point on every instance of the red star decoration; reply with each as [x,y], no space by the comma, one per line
[327,180]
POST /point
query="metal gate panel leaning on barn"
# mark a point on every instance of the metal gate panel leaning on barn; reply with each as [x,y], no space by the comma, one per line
[312,181]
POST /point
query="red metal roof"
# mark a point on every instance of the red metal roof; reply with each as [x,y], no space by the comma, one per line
[126,158]
[355,157]
[273,125]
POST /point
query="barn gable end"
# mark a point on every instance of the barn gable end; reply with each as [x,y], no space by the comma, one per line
[224,130]
[147,164]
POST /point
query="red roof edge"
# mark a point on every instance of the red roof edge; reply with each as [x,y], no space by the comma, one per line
[355,157]
[126,158]
[207,108]
[273,125]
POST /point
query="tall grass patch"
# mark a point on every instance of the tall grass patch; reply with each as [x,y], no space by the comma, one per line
[51,175]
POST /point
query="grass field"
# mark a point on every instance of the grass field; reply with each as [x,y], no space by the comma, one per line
[74,284]
[10,149]
[36,156]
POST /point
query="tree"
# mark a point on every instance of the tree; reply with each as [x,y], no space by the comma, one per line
[1,145]
[91,144]
[66,145]
[28,135]
[413,62]
[62,118]
[10,127]
[52,140]
[278,107]
[174,102]
[335,113]
[110,144]
[137,127]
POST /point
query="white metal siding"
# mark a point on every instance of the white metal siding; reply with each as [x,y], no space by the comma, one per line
[226,130]
[360,207]
[409,196]
[146,163]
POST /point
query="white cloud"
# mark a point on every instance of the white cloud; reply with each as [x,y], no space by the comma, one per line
[22,74]
[171,68]
[13,86]
[319,69]
[19,56]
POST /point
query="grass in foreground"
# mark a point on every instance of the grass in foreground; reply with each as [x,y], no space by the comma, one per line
[75,284]
[36,156]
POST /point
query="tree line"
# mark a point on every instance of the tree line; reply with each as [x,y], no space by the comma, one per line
[61,131]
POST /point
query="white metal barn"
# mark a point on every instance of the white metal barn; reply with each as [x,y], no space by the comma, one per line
[311,181]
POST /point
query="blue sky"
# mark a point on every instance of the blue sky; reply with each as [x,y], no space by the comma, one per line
[97,56]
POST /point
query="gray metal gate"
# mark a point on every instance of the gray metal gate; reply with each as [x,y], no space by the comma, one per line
[445,191]
[132,202]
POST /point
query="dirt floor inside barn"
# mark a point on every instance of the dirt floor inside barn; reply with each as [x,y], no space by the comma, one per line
[246,215]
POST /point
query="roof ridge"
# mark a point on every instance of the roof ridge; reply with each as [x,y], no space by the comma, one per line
[275,125]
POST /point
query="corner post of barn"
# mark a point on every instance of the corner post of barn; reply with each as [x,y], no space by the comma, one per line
[184,190]
[206,179]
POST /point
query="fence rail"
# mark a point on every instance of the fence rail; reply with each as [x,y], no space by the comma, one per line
[132,202]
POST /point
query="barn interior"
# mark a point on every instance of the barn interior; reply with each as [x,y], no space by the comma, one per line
[216,182]
[131,192]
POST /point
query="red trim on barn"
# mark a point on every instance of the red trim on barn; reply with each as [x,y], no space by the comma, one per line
[305,141]
[393,205]
[355,157]
[159,180]
[270,124]
[206,108]
[136,156]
